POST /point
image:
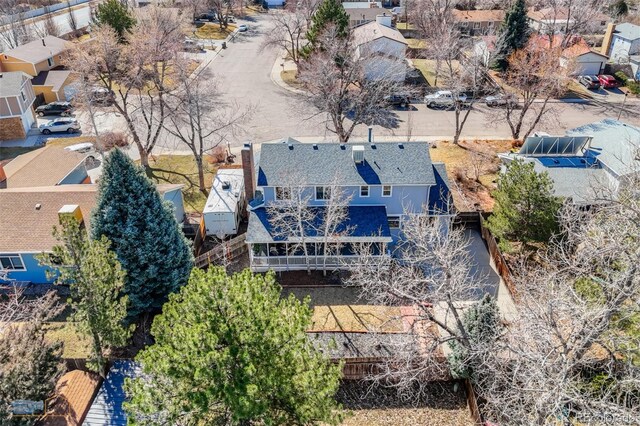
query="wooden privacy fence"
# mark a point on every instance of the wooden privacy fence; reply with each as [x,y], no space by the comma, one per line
[498,259]
[226,251]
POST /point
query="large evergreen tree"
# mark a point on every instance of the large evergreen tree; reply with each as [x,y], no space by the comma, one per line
[143,233]
[513,34]
[229,350]
[526,209]
[330,12]
[482,325]
[117,15]
[96,280]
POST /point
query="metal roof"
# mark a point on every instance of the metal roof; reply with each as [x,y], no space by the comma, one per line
[363,222]
[290,162]
[107,409]
[554,145]
[223,198]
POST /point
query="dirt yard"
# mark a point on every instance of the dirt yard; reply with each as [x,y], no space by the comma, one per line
[472,167]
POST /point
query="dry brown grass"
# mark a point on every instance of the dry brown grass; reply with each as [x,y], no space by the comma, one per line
[290,77]
[461,165]
[357,318]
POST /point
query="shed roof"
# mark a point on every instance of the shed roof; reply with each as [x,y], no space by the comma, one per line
[628,31]
[11,83]
[107,409]
[386,163]
[373,31]
[39,50]
[222,200]
[73,395]
[26,228]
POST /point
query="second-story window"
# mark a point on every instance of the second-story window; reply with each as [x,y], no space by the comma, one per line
[323,192]
[24,98]
[50,62]
[364,191]
[283,193]
[386,190]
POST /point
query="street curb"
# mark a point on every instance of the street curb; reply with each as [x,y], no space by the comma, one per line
[277,80]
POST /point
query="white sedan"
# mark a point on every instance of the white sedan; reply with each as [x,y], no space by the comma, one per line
[242,28]
[63,124]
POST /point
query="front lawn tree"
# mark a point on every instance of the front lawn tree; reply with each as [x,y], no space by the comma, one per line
[230,350]
[96,280]
[526,209]
[117,15]
[350,87]
[143,232]
[513,34]
[288,33]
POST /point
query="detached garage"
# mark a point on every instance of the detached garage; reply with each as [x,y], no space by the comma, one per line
[583,60]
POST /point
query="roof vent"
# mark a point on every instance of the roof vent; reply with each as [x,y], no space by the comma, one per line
[38,206]
[226,185]
[401,145]
[290,145]
[357,152]
[315,146]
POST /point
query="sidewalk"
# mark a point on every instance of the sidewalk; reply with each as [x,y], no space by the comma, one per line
[282,64]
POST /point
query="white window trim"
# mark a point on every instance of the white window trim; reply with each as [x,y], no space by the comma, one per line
[398,217]
[24,268]
[368,191]
[390,191]
[324,190]
[50,61]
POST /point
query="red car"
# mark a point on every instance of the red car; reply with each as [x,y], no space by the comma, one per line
[607,81]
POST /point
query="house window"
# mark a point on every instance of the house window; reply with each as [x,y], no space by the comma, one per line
[283,193]
[386,190]
[394,222]
[24,98]
[364,191]
[50,62]
[323,193]
[12,262]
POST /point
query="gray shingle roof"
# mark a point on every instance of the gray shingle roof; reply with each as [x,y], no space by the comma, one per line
[387,163]
[628,31]
[11,84]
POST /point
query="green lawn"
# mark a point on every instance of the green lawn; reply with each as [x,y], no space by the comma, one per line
[181,169]
[75,345]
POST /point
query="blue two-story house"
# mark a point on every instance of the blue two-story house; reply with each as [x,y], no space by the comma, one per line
[383,183]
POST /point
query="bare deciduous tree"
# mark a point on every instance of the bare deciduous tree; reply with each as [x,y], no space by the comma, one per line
[200,118]
[333,227]
[15,32]
[288,33]
[569,18]
[140,73]
[350,84]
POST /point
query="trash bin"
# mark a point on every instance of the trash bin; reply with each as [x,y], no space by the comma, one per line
[224,44]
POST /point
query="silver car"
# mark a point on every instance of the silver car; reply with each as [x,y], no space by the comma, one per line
[63,124]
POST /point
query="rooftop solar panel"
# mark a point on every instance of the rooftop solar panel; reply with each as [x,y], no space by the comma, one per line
[554,145]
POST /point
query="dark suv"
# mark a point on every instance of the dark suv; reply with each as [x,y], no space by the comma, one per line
[54,108]
[401,100]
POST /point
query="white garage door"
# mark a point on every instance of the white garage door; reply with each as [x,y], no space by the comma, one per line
[585,68]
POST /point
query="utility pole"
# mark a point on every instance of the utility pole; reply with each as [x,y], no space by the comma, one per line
[622,106]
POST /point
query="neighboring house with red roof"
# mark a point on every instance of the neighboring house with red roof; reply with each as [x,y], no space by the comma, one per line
[577,57]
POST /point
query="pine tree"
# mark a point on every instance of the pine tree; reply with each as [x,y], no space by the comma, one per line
[513,34]
[96,280]
[115,14]
[526,209]
[329,12]
[230,350]
[482,324]
[143,233]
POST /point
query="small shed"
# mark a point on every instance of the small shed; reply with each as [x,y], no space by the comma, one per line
[225,203]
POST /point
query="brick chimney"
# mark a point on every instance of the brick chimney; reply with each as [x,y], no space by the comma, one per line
[3,177]
[606,41]
[249,171]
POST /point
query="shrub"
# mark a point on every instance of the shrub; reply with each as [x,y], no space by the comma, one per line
[634,87]
[621,77]
[110,140]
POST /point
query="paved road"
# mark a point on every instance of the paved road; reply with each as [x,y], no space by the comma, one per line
[245,70]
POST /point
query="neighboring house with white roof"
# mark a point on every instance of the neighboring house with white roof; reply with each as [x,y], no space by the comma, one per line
[551,20]
[588,160]
[385,183]
[623,46]
[385,46]
[42,59]
[16,105]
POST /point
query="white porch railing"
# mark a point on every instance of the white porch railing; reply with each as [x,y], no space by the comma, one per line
[294,263]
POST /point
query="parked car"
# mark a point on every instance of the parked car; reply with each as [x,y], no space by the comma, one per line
[589,81]
[54,108]
[205,17]
[401,100]
[501,100]
[242,28]
[66,124]
[101,96]
[443,99]
[608,81]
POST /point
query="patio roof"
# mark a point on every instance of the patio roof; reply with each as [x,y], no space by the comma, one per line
[364,223]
